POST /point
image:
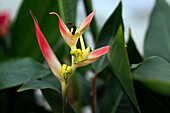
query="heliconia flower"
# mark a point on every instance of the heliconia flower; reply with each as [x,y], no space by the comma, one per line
[83,57]
[49,55]
[4,23]
[72,36]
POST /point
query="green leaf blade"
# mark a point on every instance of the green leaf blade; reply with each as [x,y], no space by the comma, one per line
[154,73]
[119,63]
[157,41]
[16,72]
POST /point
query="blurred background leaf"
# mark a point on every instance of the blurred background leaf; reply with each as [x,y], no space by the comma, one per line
[113,98]
[154,73]
[89,9]
[133,54]
[51,90]
[17,71]
[23,38]
[157,41]
[149,101]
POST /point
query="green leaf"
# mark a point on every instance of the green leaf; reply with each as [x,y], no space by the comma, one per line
[17,71]
[69,10]
[157,41]
[124,106]
[119,63]
[100,64]
[133,54]
[55,101]
[23,37]
[2,54]
[110,28]
[106,35]
[51,91]
[36,84]
[154,73]
[151,102]
[93,25]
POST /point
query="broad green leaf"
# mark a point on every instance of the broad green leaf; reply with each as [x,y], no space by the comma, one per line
[23,37]
[51,92]
[154,73]
[106,35]
[157,41]
[89,9]
[133,54]
[151,102]
[36,84]
[119,63]
[17,71]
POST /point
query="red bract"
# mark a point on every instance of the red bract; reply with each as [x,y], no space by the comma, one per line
[50,57]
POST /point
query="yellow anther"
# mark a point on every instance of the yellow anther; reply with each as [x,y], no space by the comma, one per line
[69,69]
[64,66]
[65,71]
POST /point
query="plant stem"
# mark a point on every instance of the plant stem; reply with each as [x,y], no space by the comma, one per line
[64,97]
[94,94]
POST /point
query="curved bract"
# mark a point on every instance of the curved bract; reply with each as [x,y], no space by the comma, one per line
[49,55]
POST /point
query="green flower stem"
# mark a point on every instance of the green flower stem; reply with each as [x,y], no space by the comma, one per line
[94,94]
[64,96]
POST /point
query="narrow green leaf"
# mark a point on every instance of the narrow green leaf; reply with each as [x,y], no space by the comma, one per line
[119,63]
[157,41]
[133,54]
[23,37]
[110,28]
[106,35]
[154,73]
[17,71]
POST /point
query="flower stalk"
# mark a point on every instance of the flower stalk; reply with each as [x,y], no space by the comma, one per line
[94,108]
[64,97]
